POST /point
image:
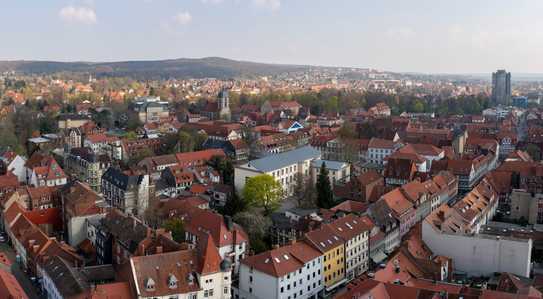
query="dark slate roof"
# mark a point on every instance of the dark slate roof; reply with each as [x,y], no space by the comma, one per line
[126,230]
[67,280]
[119,179]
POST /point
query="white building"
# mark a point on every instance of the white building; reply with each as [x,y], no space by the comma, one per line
[355,233]
[479,254]
[16,164]
[379,149]
[337,171]
[455,232]
[283,167]
[288,272]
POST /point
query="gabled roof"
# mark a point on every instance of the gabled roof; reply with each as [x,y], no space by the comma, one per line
[200,222]
[166,273]
[324,239]
[397,202]
[283,260]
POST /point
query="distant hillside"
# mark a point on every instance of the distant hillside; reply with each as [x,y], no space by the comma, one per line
[211,67]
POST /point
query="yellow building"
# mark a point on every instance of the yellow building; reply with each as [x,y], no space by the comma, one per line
[331,245]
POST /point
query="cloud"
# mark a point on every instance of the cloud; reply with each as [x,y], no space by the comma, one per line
[183,18]
[400,33]
[267,4]
[79,14]
[271,4]
[212,1]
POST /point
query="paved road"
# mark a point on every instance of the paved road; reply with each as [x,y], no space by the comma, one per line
[16,270]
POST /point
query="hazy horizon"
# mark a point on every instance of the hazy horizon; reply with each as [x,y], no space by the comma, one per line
[420,36]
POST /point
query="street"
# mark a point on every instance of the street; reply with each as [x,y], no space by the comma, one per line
[21,277]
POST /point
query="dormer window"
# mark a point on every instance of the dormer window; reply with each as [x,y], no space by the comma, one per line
[149,285]
[172,282]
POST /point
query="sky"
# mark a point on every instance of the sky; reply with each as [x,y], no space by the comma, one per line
[430,36]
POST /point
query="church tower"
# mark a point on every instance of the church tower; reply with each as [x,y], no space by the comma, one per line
[224,105]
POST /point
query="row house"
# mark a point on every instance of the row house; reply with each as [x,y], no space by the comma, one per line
[382,215]
[355,232]
[366,187]
[291,271]
[401,169]
[156,164]
[468,171]
[186,273]
[84,165]
[8,184]
[61,279]
[332,248]
[198,158]
[174,180]
[427,151]
[117,237]
[79,203]
[101,143]
[402,209]
[30,243]
[379,149]
[231,240]
[14,163]
[43,170]
[127,192]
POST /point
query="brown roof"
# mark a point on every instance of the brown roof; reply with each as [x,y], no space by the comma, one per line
[280,261]
[159,269]
[324,239]
[199,157]
[10,287]
[349,227]
[351,206]
[397,202]
[381,143]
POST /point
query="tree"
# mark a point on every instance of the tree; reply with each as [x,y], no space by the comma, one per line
[348,130]
[234,205]
[131,135]
[534,151]
[304,192]
[140,155]
[263,191]
[257,227]
[176,227]
[186,142]
[325,197]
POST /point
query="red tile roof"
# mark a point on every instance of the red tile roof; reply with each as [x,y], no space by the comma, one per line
[10,287]
[281,261]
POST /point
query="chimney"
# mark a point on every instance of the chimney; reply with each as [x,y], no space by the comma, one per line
[396,266]
[31,243]
[35,248]
[159,249]
[293,241]
[141,248]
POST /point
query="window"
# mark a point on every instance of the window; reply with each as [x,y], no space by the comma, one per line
[250,290]
[282,289]
[226,290]
[250,279]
